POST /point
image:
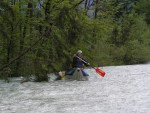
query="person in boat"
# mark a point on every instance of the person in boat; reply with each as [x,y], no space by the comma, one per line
[78,62]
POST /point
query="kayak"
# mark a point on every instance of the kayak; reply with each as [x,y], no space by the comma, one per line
[76,74]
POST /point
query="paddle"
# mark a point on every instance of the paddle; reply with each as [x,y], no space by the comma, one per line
[99,71]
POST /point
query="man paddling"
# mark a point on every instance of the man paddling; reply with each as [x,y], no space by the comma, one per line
[78,62]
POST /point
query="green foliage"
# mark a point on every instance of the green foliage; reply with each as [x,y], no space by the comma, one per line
[142,7]
[37,41]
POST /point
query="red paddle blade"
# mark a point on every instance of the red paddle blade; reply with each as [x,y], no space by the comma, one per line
[100,72]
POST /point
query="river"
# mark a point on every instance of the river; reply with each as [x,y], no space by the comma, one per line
[124,89]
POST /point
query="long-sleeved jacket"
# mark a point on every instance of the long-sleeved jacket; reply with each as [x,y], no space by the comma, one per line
[78,63]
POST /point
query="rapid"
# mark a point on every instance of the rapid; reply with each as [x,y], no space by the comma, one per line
[124,89]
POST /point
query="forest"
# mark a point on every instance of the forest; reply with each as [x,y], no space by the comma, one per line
[38,37]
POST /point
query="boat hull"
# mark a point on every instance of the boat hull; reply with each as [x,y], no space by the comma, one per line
[78,74]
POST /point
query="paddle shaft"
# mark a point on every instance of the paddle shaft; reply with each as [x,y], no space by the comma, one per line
[84,61]
[99,71]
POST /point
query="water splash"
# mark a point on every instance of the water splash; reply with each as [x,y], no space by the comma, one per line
[124,89]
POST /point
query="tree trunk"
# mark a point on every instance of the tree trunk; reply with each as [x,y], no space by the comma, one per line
[29,14]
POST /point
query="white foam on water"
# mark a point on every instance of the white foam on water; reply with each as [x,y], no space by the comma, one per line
[124,89]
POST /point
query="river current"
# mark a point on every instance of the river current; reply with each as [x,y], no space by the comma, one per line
[124,89]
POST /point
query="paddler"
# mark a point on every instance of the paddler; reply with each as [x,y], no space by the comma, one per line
[78,62]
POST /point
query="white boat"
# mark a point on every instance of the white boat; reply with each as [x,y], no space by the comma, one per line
[78,74]
[75,74]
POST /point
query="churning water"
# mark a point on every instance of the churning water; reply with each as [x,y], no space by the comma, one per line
[124,89]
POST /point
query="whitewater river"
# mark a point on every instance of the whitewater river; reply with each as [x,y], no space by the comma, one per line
[124,89]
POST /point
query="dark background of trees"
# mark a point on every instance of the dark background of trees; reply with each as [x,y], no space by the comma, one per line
[38,37]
